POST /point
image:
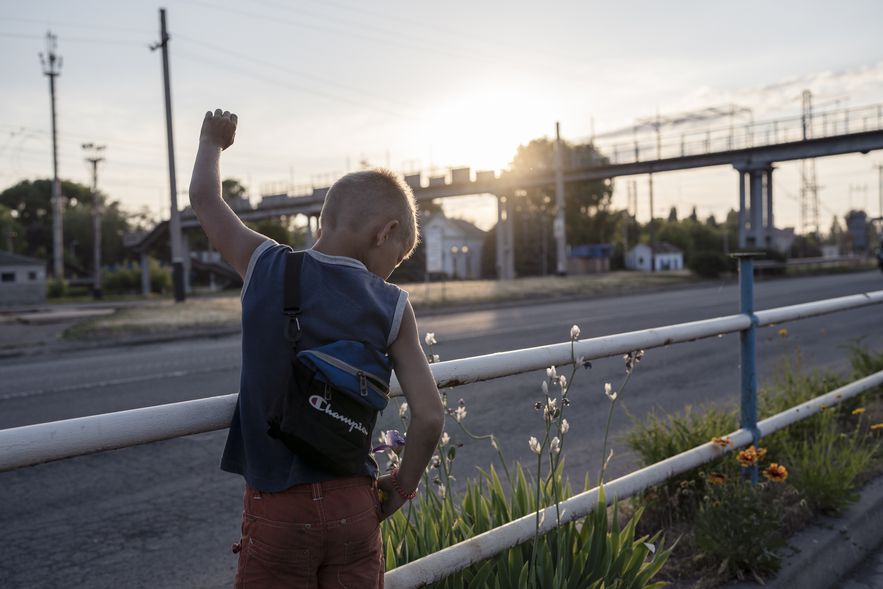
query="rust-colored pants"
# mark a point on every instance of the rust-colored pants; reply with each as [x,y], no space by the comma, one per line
[312,536]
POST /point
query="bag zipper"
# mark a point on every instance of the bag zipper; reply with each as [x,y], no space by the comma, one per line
[365,378]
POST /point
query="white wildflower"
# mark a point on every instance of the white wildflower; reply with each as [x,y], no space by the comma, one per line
[445,438]
[608,390]
[609,458]
[534,445]
[494,443]
[549,409]
[442,491]
[565,427]
[460,414]
[545,387]
[430,339]
[574,332]
[562,381]
[403,410]
[551,373]
[555,445]
[435,358]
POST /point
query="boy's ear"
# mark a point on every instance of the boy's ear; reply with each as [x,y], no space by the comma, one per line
[386,231]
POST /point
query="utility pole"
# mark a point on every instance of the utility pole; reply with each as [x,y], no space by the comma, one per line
[93,156]
[174,218]
[880,191]
[558,226]
[52,69]
[652,229]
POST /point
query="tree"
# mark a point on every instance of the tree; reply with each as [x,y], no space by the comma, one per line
[29,203]
[10,231]
[673,215]
[232,189]
[588,217]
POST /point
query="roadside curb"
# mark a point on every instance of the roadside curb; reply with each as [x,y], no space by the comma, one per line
[829,550]
[79,345]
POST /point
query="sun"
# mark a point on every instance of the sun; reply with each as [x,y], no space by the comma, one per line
[483,128]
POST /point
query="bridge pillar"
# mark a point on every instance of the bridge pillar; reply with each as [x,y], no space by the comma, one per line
[756,237]
[185,254]
[505,241]
[768,177]
[310,240]
[742,237]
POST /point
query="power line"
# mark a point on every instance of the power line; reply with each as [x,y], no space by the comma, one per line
[386,16]
[76,25]
[73,39]
[227,67]
[390,38]
[293,72]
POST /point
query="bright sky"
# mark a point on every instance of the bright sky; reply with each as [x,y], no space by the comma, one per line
[321,85]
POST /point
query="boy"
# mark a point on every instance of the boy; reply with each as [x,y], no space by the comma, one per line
[301,526]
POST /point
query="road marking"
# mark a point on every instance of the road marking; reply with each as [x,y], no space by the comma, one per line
[111,382]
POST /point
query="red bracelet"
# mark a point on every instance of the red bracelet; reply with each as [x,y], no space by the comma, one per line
[395,485]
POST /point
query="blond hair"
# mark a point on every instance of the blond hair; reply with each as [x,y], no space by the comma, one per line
[372,197]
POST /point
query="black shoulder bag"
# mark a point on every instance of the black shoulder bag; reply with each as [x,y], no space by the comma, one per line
[327,413]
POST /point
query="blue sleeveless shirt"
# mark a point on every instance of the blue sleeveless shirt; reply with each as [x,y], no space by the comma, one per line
[340,299]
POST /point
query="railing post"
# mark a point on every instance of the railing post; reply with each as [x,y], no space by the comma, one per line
[748,352]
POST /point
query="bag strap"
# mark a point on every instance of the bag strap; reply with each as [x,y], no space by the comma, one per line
[291,297]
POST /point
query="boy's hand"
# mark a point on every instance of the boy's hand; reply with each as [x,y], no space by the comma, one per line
[390,500]
[218,128]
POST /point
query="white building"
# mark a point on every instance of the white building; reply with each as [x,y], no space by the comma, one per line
[453,247]
[662,257]
[22,279]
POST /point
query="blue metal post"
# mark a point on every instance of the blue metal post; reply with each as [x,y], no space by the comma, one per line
[748,419]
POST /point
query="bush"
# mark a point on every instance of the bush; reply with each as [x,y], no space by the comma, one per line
[56,288]
[127,280]
[825,464]
[160,277]
[709,264]
[658,438]
[739,526]
[121,280]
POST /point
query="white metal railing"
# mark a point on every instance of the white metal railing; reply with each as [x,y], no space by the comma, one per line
[44,442]
[455,558]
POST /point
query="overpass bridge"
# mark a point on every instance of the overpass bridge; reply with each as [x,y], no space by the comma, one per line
[752,150]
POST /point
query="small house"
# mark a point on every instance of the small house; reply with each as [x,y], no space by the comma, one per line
[453,247]
[660,258]
[589,258]
[22,280]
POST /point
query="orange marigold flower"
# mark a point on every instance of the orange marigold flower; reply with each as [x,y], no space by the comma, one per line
[722,442]
[775,473]
[747,457]
[761,454]
[858,410]
[877,426]
[717,478]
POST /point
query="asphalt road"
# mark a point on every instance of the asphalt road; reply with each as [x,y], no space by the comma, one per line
[164,515]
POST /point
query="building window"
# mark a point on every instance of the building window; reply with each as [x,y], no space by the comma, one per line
[7,277]
[32,276]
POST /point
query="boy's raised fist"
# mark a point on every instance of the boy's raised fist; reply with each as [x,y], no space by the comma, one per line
[218,128]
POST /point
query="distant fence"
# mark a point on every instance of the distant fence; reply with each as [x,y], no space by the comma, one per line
[35,444]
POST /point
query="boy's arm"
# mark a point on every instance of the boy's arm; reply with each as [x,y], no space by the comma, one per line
[225,231]
[427,412]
